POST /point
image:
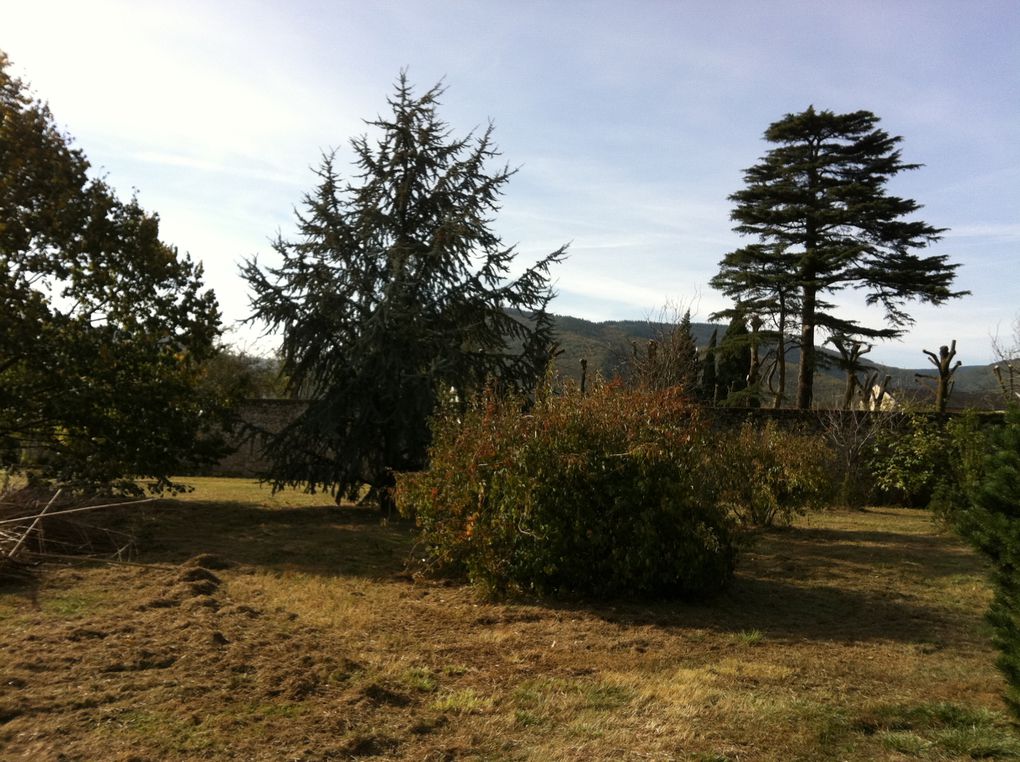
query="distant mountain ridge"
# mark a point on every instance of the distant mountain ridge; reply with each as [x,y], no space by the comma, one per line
[607,344]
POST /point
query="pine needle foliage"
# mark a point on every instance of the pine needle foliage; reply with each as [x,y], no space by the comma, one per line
[818,207]
[992,524]
[395,293]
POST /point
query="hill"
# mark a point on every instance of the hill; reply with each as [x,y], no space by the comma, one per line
[607,345]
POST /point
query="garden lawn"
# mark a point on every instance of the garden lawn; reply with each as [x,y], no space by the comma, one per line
[288,628]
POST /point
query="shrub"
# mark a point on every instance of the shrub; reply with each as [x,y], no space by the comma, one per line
[930,462]
[852,437]
[604,494]
[992,523]
[768,475]
[910,460]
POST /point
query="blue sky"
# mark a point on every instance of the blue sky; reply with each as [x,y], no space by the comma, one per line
[631,124]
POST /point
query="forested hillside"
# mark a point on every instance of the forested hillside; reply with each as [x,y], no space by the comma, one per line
[608,344]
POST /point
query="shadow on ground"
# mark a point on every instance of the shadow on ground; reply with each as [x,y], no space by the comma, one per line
[328,540]
[796,584]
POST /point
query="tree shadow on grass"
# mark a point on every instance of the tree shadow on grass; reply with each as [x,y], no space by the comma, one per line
[791,612]
[325,540]
[833,584]
[813,553]
[797,584]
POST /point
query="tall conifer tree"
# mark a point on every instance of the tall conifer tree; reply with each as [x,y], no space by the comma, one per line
[733,361]
[817,204]
[709,382]
[395,293]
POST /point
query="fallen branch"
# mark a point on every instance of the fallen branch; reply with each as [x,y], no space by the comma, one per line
[98,560]
[34,523]
[78,510]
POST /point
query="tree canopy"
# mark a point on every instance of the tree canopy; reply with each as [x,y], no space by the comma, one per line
[817,203]
[395,295]
[105,327]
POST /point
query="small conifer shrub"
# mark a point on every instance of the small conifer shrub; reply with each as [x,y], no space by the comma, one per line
[992,523]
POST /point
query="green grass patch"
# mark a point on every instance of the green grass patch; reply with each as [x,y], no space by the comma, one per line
[940,729]
[420,679]
[70,605]
[465,701]
[168,732]
[750,637]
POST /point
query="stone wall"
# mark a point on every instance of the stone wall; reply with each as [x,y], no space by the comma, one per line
[818,420]
[260,418]
[257,419]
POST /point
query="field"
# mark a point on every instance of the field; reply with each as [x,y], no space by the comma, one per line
[283,627]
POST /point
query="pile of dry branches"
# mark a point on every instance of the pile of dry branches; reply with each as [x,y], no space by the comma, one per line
[40,524]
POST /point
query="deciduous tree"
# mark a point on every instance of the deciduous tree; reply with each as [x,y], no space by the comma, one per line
[105,327]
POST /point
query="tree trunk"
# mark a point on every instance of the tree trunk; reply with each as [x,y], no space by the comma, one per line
[777,401]
[781,355]
[754,372]
[805,379]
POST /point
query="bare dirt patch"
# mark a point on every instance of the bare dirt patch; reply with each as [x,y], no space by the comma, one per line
[292,631]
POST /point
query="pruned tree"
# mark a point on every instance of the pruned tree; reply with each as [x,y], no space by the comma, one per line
[873,394]
[850,353]
[945,369]
[817,204]
[396,291]
[105,327]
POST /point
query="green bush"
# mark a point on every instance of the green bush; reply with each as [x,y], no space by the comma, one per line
[768,475]
[992,523]
[910,460]
[926,461]
[604,494]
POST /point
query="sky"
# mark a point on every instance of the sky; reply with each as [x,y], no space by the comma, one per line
[630,122]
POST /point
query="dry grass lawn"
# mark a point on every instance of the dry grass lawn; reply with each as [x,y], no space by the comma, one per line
[849,636]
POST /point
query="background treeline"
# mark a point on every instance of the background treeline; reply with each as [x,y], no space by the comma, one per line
[607,345]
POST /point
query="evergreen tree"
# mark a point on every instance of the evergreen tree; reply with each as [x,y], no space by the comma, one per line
[818,205]
[397,294]
[709,379]
[992,523]
[757,279]
[733,362]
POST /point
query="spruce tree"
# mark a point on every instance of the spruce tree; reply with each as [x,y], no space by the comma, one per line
[397,294]
[992,524]
[817,204]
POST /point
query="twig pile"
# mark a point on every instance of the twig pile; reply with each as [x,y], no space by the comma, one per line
[35,525]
